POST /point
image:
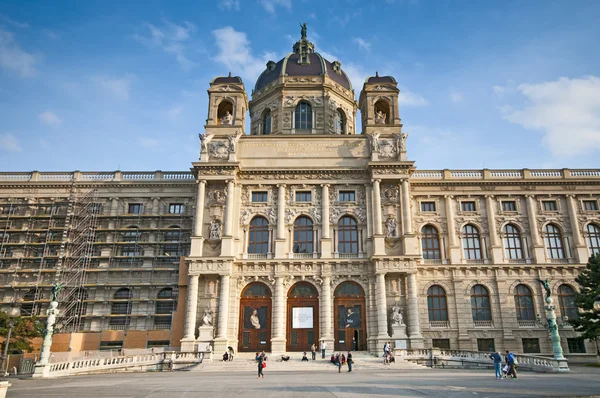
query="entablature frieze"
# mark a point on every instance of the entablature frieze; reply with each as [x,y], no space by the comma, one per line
[390,171]
[272,176]
[209,266]
[204,171]
[394,265]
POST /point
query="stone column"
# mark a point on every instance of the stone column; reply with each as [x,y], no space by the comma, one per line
[281,212]
[198,238]
[114,206]
[229,209]
[191,308]
[377,208]
[463,311]
[538,248]
[578,242]
[327,313]
[222,340]
[453,246]
[368,204]
[325,235]
[414,326]
[382,329]
[406,218]
[278,340]
[496,247]
[155,206]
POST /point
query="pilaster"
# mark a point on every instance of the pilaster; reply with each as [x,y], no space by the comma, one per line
[453,247]
[581,250]
[538,248]
[197,243]
[495,247]
[414,326]
[222,340]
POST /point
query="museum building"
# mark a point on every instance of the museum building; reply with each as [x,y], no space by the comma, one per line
[299,231]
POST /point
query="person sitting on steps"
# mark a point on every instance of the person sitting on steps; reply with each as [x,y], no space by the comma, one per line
[304,357]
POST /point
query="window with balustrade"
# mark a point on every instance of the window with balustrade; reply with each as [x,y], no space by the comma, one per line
[303,235]
[480,303]
[512,243]
[303,118]
[471,243]
[554,242]
[437,306]
[593,238]
[566,300]
[347,236]
[258,236]
[430,243]
[524,303]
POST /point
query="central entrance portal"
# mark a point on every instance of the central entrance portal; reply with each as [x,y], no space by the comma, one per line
[302,317]
[350,317]
[255,319]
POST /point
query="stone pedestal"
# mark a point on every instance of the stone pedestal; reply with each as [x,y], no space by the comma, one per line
[221,345]
[188,345]
[205,334]
[399,336]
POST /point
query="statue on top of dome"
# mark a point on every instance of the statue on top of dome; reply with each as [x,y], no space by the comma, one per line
[303,30]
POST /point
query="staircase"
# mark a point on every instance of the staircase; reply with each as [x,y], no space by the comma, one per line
[245,362]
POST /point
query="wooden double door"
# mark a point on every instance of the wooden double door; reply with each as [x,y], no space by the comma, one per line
[255,325]
[302,323]
[350,324]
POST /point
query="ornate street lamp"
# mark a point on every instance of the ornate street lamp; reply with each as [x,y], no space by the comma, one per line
[552,324]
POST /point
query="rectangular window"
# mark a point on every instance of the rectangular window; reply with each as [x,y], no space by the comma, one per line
[158,343]
[176,208]
[427,206]
[172,236]
[531,346]
[131,251]
[550,205]
[441,343]
[164,307]
[467,206]
[110,345]
[260,197]
[303,196]
[135,208]
[171,251]
[509,205]
[576,345]
[590,205]
[486,345]
[347,196]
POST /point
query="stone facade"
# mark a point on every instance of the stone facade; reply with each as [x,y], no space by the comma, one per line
[304,231]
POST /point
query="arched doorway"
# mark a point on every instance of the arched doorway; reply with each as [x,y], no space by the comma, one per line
[302,316]
[255,318]
[350,317]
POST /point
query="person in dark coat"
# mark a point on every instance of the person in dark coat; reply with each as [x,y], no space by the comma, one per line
[338,362]
[497,364]
[260,360]
[349,361]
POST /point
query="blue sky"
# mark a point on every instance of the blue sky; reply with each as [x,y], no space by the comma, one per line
[106,85]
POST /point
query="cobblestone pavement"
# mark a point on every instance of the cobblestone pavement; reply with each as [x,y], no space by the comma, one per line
[581,382]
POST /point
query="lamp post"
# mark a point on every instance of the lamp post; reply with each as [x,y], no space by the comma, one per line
[597,311]
[6,344]
[553,327]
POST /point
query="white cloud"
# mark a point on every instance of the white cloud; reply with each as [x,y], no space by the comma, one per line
[456,97]
[50,118]
[566,110]
[13,57]
[235,53]
[170,38]
[9,143]
[362,43]
[17,24]
[408,98]
[230,5]
[148,142]
[270,5]
[120,87]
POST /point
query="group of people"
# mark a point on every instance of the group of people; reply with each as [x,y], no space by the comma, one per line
[228,356]
[339,359]
[510,365]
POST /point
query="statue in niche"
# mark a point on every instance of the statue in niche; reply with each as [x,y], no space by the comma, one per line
[390,224]
[227,119]
[380,117]
[215,230]
[374,142]
[397,318]
[207,318]
[401,141]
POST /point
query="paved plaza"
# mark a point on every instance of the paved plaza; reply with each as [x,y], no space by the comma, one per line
[581,382]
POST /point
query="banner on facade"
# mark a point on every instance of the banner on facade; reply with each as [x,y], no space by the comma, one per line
[302,318]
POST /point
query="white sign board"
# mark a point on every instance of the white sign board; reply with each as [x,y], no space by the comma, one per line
[302,317]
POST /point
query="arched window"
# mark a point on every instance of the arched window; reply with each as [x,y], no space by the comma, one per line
[566,298]
[593,238]
[303,235]
[347,235]
[471,243]
[524,303]
[436,304]
[512,242]
[258,239]
[121,308]
[303,289]
[29,307]
[349,289]
[303,117]
[430,243]
[554,244]
[266,122]
[480,303]
[340,121]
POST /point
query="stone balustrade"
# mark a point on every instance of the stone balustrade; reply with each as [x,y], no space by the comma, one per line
[141,362]
[85,176]
[487,174]
[471,359]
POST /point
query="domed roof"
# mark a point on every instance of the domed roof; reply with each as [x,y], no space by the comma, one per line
[303,62]
[226,79]
[380,79]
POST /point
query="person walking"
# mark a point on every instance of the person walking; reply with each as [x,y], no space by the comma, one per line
[323,348]
[495,356]
[512,368]
[349,361]
[313,350]
[338,362]
[386,351]
[260,359]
